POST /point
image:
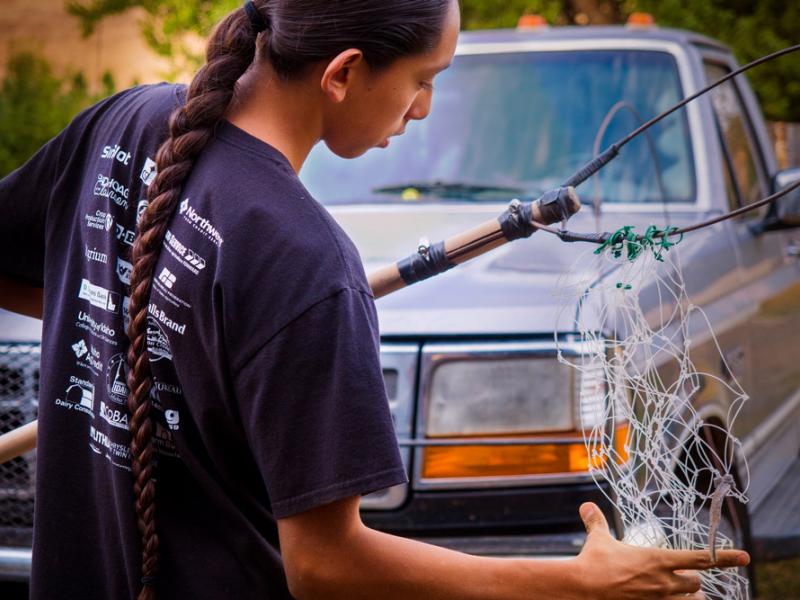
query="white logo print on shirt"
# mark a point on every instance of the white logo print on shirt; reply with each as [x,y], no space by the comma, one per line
[126,236]
[162,318]
[140,208]
[113,416]
[78,395]
[116,153]
[112,189]
[124,270]
[79,348]
[167,278]
[100,220]
[116,379]
[157,341]
[88,356]
[95,255]
[201,224]
[99,296]
[173,419]
[188,257]
[149,171]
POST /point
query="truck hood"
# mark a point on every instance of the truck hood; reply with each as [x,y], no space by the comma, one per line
[511,290]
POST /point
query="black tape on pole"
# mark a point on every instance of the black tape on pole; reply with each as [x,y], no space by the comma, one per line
[515,222]
[554,206]
[429,261]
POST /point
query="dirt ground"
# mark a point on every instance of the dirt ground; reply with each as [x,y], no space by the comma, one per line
[779,580]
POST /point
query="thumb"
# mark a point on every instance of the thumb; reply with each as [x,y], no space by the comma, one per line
[593,518]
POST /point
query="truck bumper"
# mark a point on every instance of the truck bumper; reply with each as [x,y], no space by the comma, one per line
[525,521]
[552,546]
[15,564]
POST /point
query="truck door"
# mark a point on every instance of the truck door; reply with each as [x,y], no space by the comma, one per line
[769,279]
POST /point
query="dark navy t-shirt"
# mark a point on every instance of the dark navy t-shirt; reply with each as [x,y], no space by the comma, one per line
[263,344]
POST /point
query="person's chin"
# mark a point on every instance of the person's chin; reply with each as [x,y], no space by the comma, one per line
[349,151]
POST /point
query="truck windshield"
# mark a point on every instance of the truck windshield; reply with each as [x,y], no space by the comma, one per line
[517,124]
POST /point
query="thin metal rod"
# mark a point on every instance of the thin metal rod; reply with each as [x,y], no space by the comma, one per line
[612,151]
[706,89]
[740,211]
[571,236]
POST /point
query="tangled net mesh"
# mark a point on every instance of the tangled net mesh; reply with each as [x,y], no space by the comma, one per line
[670,472]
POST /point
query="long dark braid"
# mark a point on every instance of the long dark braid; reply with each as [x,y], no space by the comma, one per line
[230,52]
[299,33]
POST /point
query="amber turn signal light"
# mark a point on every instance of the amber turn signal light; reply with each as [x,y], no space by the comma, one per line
[468,461]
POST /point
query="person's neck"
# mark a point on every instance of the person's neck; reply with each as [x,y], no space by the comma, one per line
[284,114]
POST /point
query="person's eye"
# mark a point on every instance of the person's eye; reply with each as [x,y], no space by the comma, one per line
[426,85]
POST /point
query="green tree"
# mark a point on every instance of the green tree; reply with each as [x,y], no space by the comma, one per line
[752,28]
[484,14]
[35,105]
[172,28]
[491,14]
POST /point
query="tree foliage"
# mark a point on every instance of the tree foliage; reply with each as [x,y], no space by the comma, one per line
[35,105]
[172,28]
[752,28]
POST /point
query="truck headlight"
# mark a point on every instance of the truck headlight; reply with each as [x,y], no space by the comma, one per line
[507,396]
[507,410]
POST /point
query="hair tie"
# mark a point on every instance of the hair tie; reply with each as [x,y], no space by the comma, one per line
[258,22]
[148,580]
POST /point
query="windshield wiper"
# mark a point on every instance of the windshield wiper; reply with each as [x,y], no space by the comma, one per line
[450,189]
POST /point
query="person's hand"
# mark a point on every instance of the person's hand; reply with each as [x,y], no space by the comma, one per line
[610,569]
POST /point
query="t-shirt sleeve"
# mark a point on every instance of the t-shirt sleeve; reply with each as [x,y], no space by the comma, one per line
[24,198]
[314,407]
[26,194]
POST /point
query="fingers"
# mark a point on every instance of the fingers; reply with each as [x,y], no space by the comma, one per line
[593,518]
[686,582]
[732,558]
[701,559]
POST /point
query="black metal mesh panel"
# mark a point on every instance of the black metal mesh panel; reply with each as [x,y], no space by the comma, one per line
[19,400]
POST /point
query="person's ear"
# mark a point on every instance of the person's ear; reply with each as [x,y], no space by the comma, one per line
[338,75]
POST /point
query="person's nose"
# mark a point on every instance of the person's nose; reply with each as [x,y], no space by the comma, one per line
[421,107]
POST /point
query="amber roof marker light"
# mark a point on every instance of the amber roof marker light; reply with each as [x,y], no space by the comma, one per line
[532,23]
[640,20]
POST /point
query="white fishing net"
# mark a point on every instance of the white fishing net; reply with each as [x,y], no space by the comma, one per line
[671,471]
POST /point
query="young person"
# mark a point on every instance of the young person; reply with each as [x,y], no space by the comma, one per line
[218,450]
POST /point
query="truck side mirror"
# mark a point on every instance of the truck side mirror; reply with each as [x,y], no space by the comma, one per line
[785,212]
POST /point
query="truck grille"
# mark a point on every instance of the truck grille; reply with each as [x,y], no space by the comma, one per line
[19,401]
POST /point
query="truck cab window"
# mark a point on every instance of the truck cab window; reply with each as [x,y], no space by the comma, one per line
[744,183]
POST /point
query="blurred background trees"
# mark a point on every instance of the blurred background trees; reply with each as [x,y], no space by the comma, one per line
[35,102]
[752,28]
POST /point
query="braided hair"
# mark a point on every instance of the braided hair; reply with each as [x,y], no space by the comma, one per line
[296,35]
